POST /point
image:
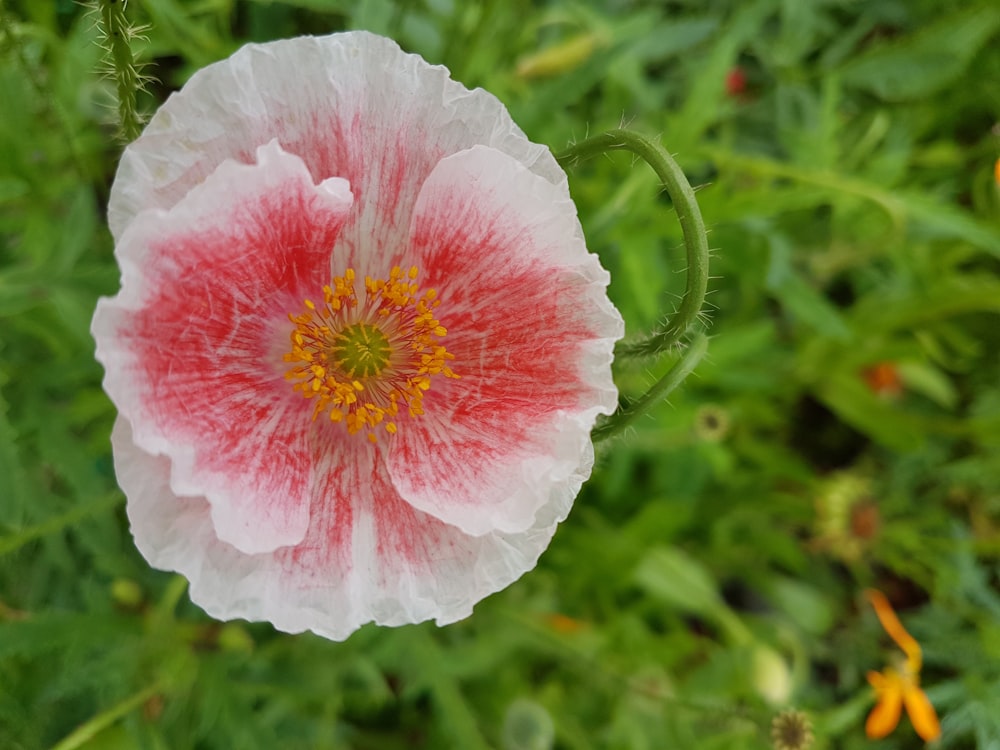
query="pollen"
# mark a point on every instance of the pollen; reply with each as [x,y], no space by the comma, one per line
[367,359]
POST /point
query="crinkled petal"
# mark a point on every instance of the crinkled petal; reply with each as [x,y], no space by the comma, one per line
[352,105]
[192,345]
[323,531]
[532,331]
[367,556]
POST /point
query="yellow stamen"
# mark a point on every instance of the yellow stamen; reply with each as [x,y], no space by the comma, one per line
[361,360]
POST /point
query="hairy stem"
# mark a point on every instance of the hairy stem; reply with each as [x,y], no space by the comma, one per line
[670,334]
[623,418]
[692,227]
[117,37]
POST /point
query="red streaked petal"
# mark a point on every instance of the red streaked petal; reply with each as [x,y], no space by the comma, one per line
[367,556]
[192,345]
[352,105]
[229,481]
[532,331]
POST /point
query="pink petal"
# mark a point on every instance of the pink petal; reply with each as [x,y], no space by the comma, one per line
[192,345]
[351,105]
[273,516]
[367,556]
[532,331]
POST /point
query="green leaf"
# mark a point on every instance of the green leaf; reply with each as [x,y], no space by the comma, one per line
[846,395]
[945,219]
[55,631]
[929,381]
[79,224]
[12,188]
[810,307]
[804,604]
[675,578]
[797,295]
[430,672]
[952,296]
[321,6]
[13,480]
[56,524]
[925,62]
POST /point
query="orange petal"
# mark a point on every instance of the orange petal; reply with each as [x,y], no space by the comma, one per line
[922,713]
[879,681]
[895,628]
[885,716]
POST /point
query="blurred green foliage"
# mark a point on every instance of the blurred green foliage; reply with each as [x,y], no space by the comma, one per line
[843,433]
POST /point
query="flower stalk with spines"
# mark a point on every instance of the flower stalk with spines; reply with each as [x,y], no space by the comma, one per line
[670,334]
[116,35]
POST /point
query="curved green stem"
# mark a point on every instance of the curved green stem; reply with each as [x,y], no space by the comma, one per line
[96,724]
[696,245]
[692,227]
[621,419]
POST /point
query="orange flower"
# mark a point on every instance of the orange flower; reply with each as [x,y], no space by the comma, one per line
[896,687]
[563,624]
[883,379]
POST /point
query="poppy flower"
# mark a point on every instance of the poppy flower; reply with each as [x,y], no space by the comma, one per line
[359,344]
[899,686]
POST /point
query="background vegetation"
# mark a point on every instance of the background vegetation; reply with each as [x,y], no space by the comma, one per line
[843,433]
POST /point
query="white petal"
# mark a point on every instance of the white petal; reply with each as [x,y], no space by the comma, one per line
[192,345]
[532,332]
[351,105]
[360,561]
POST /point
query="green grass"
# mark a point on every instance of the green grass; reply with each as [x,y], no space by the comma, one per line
[711,573]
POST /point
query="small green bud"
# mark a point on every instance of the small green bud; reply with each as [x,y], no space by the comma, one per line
[559,58]
[772,679]
[127,593]
[528,726]
[233,637]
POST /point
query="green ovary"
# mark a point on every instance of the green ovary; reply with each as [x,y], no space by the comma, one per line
[361,351]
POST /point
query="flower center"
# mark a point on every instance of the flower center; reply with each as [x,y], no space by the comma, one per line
[361,351]
[362,360]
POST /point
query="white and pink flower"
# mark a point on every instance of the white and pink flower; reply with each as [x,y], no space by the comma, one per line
[359,345]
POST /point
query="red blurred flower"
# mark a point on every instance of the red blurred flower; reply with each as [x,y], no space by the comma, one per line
[883,379]
[736,82]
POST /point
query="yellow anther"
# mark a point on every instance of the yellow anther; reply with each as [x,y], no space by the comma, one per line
[387,346]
